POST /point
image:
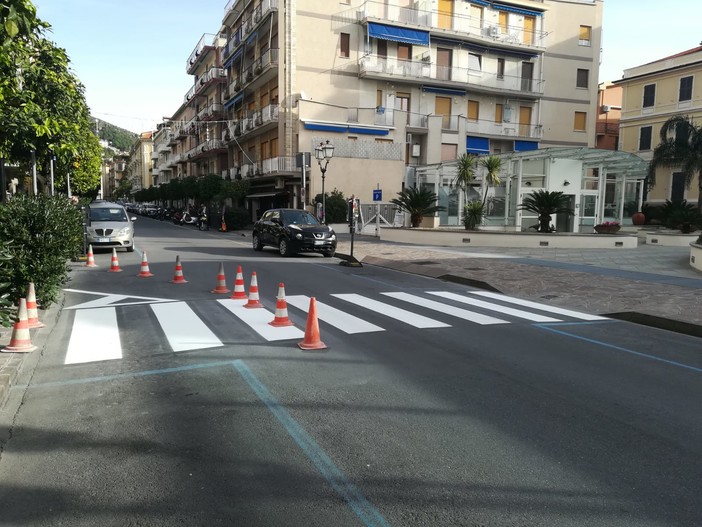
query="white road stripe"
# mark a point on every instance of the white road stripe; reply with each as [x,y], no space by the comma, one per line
[494,307]
[413,319]
[258,319]
[536,305]
[183,328]
[94,337]
[339,319]
[449,310]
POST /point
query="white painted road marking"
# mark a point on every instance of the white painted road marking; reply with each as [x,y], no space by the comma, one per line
[94,337]
[494,307]
[183,328]
[258,319]
[413,319]
[339,319]
[541,307]
[478,318]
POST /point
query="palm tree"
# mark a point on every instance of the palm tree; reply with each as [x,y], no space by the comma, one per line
[492,166]
[417,202]
[680,147]
[465,174]
[545,203]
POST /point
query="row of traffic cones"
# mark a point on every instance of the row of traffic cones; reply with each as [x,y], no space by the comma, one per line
[312,338]
[27,318]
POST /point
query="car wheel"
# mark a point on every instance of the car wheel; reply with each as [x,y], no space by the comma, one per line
[284,248]
[256,242]
[329,253]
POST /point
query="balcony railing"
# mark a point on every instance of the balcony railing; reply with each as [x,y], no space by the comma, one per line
[207,41]
[277,165]
[244,31]
[375,66]
[212,75]
[455,24]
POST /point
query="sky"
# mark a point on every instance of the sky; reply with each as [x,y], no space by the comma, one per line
[131,54]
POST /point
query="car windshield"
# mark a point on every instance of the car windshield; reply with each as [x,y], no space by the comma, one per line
[108,214]
[299,217]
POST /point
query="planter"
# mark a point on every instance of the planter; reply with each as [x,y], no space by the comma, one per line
[607,229]
[638,218]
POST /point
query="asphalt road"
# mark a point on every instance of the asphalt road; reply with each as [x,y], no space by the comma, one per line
[416,413]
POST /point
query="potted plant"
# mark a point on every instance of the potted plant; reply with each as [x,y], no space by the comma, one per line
[417,202]
[607,227]
[544,203]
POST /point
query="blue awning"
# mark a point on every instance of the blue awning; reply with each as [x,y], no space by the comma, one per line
[252,38]
[477,145]
[398,34]
[232,102]
[325,127]
[237,55]
[518,10]
[523,146]
[443,91]
[483,3]
[368,131]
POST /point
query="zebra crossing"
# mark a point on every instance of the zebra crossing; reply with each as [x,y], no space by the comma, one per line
[184,329]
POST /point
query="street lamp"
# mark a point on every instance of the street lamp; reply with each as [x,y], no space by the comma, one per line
[324,152]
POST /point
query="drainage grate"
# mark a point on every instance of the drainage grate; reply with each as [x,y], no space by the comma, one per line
[549,297]
[426,263]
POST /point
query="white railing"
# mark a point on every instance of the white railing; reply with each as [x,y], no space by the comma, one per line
[278,164]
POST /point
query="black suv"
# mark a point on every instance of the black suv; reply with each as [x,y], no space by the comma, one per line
[293,231]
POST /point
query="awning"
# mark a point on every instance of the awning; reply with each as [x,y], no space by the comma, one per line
[237,54]
[232,102]
[398,34]
[523,146]
[519,11]
[325,127]
[267,194]
[477,145]
[443,91]
[368,131]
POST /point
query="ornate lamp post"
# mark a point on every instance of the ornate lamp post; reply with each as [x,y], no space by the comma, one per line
[324,152]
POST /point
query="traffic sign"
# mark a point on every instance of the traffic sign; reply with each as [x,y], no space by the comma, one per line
[378,195]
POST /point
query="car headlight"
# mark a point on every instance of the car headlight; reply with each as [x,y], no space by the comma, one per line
[298,236]
[333,236]
[124,232]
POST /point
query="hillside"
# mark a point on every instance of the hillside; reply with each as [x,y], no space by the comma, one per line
[117,137]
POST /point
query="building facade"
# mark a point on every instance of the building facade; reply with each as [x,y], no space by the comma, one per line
[139,165]
[651,94]
[393,85]
[609,105]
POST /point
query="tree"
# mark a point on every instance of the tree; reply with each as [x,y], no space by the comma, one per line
[544,203]
[492,166]
[465,174]
[417,202]
[680,147]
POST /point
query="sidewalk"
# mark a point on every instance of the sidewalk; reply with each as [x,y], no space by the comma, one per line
[650,285]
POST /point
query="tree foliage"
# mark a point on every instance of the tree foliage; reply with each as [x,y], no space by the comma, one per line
[417,202]
[544,203]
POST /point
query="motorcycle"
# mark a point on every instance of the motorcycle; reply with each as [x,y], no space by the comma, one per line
[202,223]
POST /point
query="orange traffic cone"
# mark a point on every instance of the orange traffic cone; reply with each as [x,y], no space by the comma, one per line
[32,313]
[114,265]
[239,291]
[253,293]
[20,342]
[144,272]
[91,257]
[312,340]
[178,277]
[221,281]
[281,309]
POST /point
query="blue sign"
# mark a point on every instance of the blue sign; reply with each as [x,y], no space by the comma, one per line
[378,195]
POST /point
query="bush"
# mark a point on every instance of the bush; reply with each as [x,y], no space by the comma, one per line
[337,206]
[473,213]
[41,234]
[680,215]
[237,218]
[6,308]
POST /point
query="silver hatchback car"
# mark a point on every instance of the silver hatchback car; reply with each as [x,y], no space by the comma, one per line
[109,225]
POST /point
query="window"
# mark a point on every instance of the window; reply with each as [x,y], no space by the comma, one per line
[476,15]
[502,17]
[582,79]
[500,68]
[345,45]
[579,121]
[473,110]
[585,36]
[402,101]
[382,48]
[685,89]
[404,51]
[474,62]
[649,95]
[645,133]
[378,98]
[499,112]
[449,152]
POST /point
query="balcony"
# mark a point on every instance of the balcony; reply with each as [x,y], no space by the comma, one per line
[207,148]
[207,43]
[213,76]
[420,72]
[173,137]
[213,111]
[279,165]
[257,121]
[248,27]
[454,26]
[504,129]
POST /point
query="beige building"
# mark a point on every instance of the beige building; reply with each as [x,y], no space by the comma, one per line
[609,112]
[653,93]
[139,165]
[392,85]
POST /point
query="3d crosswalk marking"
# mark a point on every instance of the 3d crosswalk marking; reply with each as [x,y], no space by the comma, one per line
[413,319]
[465,314]
[337,318]
[183,328]
[258,319]
[94,337]
[537,305]
[494,307]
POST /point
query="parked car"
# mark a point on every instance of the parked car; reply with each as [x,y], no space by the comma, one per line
[109,225]
[293,231]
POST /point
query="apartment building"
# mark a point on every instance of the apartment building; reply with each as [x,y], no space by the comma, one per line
[651,94]
[392,85]
[609,105]
[139,165]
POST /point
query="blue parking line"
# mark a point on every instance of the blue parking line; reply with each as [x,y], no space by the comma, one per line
[358,503]
[549,327]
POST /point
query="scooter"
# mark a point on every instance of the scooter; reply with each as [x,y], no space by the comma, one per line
[202,223]
[184,217]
